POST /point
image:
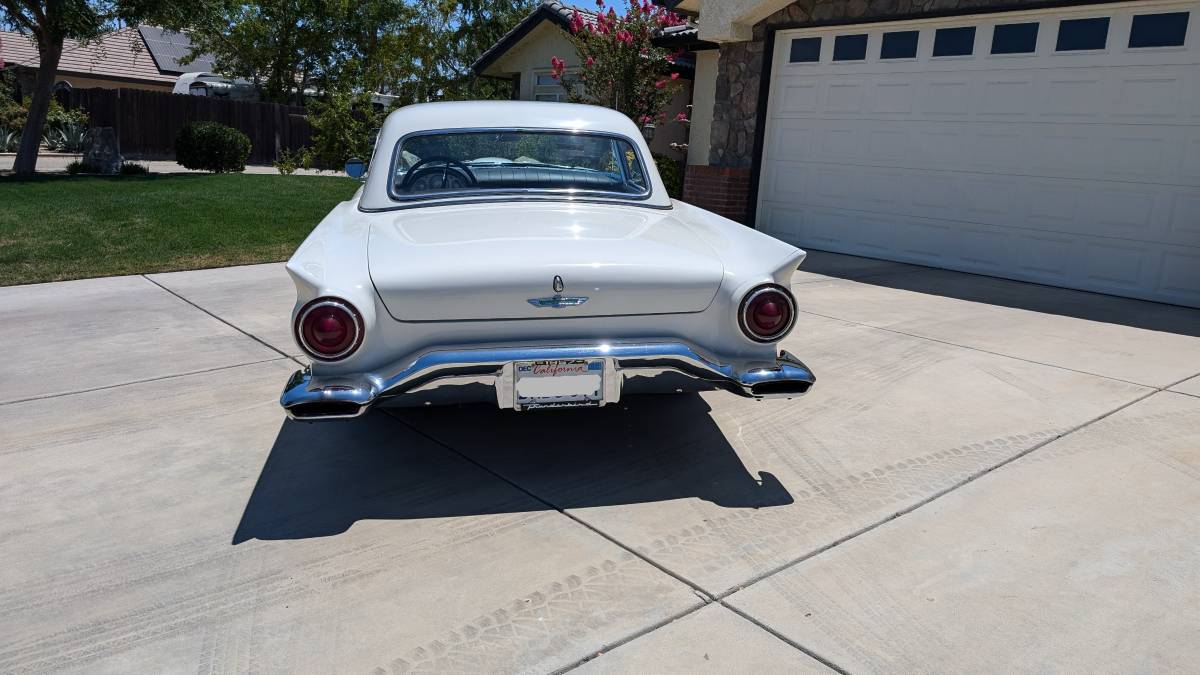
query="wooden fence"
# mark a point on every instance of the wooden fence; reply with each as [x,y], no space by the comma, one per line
[147,121]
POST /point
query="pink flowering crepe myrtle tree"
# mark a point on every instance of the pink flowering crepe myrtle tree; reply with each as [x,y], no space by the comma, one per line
[620,67]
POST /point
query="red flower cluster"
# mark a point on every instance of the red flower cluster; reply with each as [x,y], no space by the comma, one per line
[609,23]
[620,66]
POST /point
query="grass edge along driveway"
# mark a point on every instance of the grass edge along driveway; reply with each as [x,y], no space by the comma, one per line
[54,228]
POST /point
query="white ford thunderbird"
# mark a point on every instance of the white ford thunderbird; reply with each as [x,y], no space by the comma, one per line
[528,254]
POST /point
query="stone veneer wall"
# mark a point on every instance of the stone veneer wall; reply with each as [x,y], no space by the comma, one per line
[739,71]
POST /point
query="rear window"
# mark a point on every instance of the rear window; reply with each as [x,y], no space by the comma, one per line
[479,163]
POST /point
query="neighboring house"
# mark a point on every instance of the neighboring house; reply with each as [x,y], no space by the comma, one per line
[134,58]
[1054,142]
[523,56]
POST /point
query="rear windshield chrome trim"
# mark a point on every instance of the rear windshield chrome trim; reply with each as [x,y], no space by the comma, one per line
[510,198]
[569,194]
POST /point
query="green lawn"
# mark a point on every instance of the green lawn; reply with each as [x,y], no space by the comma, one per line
[70,227]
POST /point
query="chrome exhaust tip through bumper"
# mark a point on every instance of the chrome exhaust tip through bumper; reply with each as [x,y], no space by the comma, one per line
[308,398]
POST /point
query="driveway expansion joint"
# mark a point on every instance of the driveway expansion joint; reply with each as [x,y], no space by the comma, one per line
[704,597]
[720,598]
[985,351]
[142,381]
[239,329]
[707,598]
[783,638]
[608,647]
[933,497]
[1171,387]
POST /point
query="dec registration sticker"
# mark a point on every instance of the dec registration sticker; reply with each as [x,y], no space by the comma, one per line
[559,383]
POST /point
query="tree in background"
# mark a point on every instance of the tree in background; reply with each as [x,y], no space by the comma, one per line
[330,55]
[297,50]
[292,50]
[344,125]
[620,66]
[49,23]
[462,30]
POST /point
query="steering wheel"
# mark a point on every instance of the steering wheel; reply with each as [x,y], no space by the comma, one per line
[419,169]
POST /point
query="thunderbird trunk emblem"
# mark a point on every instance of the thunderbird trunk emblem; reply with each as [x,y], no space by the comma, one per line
[558,300]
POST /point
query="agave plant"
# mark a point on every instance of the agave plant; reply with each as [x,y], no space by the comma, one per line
[66,138]
[9,140]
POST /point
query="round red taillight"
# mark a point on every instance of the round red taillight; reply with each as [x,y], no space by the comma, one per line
[329,329]
[767,313]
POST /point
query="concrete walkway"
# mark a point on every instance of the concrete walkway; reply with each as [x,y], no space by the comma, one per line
[989,477]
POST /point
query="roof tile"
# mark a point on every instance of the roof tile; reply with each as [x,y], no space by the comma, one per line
[121,53]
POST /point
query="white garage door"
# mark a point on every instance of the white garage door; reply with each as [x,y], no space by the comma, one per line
[1056,146]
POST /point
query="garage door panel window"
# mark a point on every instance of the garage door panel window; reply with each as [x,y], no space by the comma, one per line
[850,48]
[805,50]
[1015,38]
[1158,30]
[954,41]
[1075,35]
[900,45]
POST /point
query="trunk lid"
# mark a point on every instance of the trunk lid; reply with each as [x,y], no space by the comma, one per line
[489,261]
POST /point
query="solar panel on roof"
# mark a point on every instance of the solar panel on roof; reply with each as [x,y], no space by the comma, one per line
[168,47]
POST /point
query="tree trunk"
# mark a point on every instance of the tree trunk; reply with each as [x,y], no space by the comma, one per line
[49,53]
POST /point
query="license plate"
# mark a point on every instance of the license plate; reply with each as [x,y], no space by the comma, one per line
[559,383]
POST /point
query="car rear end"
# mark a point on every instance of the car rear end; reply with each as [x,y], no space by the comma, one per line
[535,268]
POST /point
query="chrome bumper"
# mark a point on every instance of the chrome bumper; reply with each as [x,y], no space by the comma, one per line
[309,398]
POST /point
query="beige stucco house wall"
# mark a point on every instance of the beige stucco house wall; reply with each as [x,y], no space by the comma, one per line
[704,89]
[530,59]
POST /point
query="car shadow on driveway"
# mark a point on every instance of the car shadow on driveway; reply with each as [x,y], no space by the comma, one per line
[319,479]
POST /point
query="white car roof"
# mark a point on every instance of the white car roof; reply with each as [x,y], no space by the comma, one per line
[497,115]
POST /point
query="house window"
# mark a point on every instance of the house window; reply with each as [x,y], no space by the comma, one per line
[899,45]
[954,41]
[850,48]
[546,88]
[1158,30]
[1015,38]
[1082,34]
[806,50]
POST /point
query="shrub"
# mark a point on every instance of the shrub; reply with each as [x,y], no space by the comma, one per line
[66,138]
[672,175]
[9,140]
[212,146]
[12,113]
[58,117]
[132,169]
[78,167]
[343,126]
[289,161]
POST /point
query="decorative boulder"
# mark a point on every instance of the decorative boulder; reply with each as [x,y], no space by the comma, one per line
[103,151]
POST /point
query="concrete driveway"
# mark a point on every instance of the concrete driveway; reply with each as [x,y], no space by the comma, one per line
[989,476]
